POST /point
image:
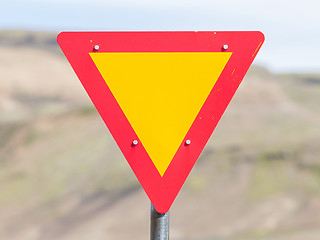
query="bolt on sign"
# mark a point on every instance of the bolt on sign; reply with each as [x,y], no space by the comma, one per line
[161,94]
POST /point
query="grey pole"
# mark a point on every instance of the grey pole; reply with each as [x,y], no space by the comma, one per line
[159,225]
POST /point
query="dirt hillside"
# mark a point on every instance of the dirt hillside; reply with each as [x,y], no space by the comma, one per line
[63,177]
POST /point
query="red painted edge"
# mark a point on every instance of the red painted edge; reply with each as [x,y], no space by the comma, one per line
[161,190]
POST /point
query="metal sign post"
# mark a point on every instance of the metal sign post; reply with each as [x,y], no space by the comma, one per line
[159,225]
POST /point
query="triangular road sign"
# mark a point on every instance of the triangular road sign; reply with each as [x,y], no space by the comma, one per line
[161,94]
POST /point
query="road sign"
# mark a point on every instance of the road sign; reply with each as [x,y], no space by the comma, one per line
[161,94]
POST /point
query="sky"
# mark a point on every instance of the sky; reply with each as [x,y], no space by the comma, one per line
[291,28]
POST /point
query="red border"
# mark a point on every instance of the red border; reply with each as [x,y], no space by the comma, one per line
[161,190]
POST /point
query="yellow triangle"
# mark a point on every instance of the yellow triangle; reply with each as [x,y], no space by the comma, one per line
[161,93]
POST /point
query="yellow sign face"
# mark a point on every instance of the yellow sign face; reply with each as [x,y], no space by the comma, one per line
[161,93]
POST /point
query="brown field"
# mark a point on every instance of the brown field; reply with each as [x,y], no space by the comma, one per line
[63,177]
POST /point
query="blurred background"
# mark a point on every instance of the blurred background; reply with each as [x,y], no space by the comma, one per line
[63,177]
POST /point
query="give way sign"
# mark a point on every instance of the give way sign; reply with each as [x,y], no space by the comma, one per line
[161,94]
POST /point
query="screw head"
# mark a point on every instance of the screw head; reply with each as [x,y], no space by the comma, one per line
[188,142]
[135,142]
[225,47]
[96,47]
